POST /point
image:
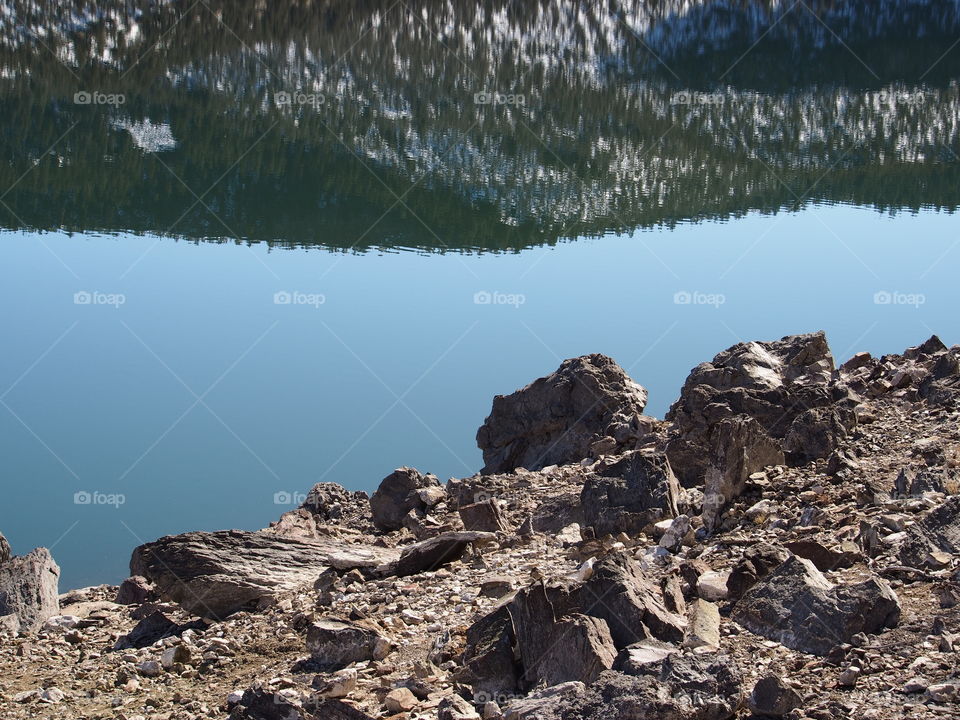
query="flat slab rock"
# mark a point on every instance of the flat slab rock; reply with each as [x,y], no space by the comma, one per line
[213,574]
[798,607]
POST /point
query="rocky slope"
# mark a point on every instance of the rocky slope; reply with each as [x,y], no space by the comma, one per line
[786,544]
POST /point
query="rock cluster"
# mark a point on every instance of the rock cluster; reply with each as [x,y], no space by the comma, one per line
[785,545]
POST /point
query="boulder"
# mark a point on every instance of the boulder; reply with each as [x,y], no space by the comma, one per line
[555,650]
[939,531]
[546,703]
[216,573]
[823,557]
[485,516]
[634,658]
[488,663]
[400,700]
[798,607]
[135,590]
[436,552]
[630,492]
[455,707]
[703,632]
[556,419]
[4,549]
[817,432]
[632,605]
[679,687]
[771,697]
[397,495]
[29,589]
[772,383]
[755,565]
[334,644]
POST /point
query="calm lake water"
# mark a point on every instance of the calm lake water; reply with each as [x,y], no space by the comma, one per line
[243,251]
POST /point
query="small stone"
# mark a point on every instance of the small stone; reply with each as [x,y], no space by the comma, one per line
[712,586]
[400,700]
[849,677]
[52,695]
[915,685]
[149,668]
[178,654]
[337,685]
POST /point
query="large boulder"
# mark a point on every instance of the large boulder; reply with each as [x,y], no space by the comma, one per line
[4,549]
[678,687]
[627,493]
[938,531]
[213,574]
[334,644]
[398,494]
[488,664]
[29,589]
[436,552]
[771,384]
[798,607]
[556,419]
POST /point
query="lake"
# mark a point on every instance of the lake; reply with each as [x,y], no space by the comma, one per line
[245,250]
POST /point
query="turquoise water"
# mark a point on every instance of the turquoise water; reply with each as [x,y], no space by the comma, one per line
[198,399]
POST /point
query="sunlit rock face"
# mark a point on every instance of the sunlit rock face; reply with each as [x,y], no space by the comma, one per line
[519,124]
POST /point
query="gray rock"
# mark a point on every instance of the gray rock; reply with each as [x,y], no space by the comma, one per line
[488,664]
[436,552]
[555,650]
[485,516]
[4,549]
[29,588]
[703,631]
[135,590]
[634,658]
[816,433]
[334,644]
[938,531]
[679,687]
[631,604]
[545,704]
[557,418]
[771,382]
[630,492]
[798,607]
[455,707]
[397,495]
[213,574]
[771,697]
[756,564]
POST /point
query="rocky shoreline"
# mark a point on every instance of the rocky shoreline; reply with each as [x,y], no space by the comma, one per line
[786,543]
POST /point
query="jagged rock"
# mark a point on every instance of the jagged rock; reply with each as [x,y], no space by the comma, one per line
[754,566]
[771,382]
[545,704]
[330,502]
[334,644]
[771,697]
[633,658]
[712,586]
[939,531]
[155,626]
[817,432]
[216,573]
[437,551]
[456,708]
[821,556]
[798,607]
[484,516]
[135,590]
[627,493]
[679,687]
[4,549]
[488,663]
[555,650]
[336,685]
[630,603]
[400,700]
[673,538]
[556,418]
[478,488]
[397,495]
[28,589]
[703,631]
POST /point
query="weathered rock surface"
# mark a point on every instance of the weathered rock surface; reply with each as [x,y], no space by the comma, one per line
[215,574]
[29,589]
[437,551]
[397,495]
[557,418]
[771,697]
[627,493]
[938,531]
[772,383]
[484,516]
[756,564]
[4,549]
[798,607]
[135,590]
[334,644]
